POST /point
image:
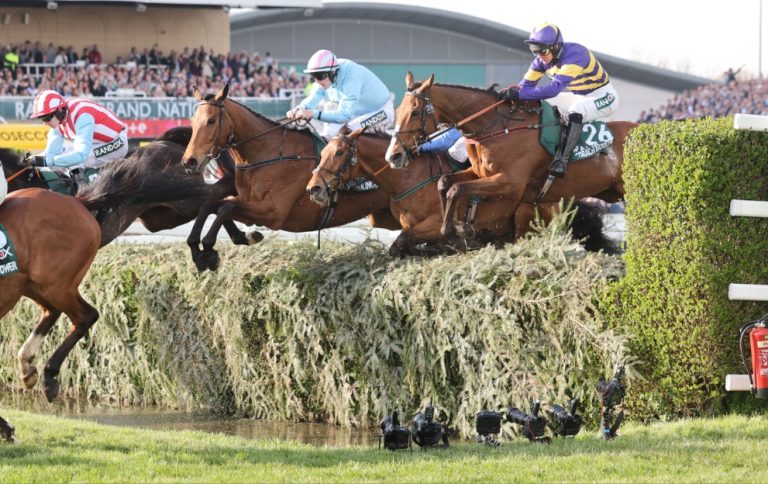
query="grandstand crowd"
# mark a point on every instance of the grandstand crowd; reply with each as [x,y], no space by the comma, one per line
[31,67]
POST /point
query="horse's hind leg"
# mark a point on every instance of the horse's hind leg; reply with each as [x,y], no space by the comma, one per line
[193,240]
[83,316]
[209,256]
[30,348]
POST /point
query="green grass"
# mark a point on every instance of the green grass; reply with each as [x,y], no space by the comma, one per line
[726,449]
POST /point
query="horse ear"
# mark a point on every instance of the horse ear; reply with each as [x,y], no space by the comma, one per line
[409,80]
[196,93]
[222,95]
[428,83]
[356,133]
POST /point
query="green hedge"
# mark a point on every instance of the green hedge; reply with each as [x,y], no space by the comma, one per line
[340,335]
[683,251]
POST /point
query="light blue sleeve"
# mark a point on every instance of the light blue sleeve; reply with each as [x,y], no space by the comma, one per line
[442,142]
[81,145]
[54,145]
[350,97]
[315,97]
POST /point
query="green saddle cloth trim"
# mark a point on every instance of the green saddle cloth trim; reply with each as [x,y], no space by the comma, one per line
[595,136]
[8,263]
[56,182]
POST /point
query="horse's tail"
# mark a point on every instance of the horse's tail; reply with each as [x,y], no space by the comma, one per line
[588,226]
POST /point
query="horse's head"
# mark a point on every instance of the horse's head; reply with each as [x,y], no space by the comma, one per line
[338,164]
[415,119]
[212,130]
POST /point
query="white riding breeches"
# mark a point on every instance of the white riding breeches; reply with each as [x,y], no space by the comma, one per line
[598,104]
[383,118]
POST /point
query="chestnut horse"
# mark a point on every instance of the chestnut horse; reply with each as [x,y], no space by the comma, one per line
[54,240]
[416,202]
[273,164]
[508,162]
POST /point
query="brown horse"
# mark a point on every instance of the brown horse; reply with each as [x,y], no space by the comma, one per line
[273,165]
[508,161]
[54,240]
[416,202]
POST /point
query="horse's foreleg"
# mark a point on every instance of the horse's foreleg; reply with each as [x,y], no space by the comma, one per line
[447,181]
[83,316]
[495,187]
[30,348]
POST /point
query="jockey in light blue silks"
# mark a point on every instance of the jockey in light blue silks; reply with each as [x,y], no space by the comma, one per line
[357,96]
[572,68]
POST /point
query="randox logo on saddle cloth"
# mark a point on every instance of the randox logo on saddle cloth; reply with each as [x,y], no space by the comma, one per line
[595,136]
[108,148]
[8,263]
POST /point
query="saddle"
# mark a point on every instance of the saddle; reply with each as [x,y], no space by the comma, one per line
[596,137]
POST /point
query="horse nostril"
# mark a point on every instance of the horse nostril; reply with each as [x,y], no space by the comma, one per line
[314,190]
[396,158]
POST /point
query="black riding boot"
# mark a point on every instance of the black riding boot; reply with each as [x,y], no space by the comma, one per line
[572,135]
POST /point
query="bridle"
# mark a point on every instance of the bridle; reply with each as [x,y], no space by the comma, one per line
[427,113]
[334,183]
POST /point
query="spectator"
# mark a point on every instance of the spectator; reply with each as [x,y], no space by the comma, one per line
[94,56]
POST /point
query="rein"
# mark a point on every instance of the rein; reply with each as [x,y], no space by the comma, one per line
[18,173]
[231,144]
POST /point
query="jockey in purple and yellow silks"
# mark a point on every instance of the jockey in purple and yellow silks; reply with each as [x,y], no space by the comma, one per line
[572,68]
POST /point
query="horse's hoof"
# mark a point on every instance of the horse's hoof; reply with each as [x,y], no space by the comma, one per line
[51,387]
[30,379]
[200,264]
[212,260]
[254,237]
[241,239]
[395,251]
[466,231]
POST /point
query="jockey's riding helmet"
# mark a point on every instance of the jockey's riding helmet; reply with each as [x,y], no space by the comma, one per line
[546,36]
[47,102]
[322,61]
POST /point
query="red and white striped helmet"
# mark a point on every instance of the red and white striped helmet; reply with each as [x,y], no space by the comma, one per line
[322,61]
[46,102]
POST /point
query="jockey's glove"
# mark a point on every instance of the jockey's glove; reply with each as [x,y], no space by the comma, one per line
[36,160]
[510,94]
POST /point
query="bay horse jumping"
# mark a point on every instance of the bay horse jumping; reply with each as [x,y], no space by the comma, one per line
[55,239]
[508,161]
[414,199]
[273,164]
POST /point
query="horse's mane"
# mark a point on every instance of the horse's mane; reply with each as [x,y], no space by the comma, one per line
[11,159]
[209,97]
[490,90]
[151,174]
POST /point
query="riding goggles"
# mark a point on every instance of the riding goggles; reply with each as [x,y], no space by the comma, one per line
[319,76]
[46,117]
[538,50]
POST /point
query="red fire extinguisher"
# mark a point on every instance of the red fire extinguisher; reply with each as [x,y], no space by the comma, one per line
[758,345]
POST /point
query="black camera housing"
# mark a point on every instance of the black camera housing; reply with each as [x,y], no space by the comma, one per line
[426,431]
[395,437]
[565,423]
[534,425]
[488,422]
[612,395]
